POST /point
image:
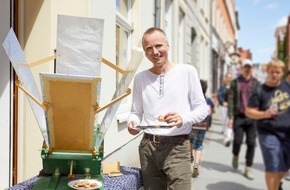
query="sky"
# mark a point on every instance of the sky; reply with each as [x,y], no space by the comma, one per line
[258,20]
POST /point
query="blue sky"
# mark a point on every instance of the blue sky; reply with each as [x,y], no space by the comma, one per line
[258,20]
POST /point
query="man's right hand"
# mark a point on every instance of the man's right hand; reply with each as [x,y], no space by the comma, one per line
[132,128]
[270,113]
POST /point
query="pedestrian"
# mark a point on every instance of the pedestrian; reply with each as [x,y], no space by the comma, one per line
[269,105]
[198,132]
[240,90]
[223,92]
[167,94]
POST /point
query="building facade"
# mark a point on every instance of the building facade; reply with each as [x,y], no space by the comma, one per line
[224,32]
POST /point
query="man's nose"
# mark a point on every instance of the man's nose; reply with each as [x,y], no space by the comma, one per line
[155,50]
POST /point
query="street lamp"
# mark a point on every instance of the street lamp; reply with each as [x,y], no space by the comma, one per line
[235,57]
[230,49]
[232,55]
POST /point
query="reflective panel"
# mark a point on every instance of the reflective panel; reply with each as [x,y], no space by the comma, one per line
[79,45]
[18,60]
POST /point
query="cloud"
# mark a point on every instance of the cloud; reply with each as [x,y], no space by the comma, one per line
[271,6]
[266,50]
[282,21]
[264,54]
[255,2]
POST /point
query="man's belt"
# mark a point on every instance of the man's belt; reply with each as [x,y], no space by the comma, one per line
[179,139]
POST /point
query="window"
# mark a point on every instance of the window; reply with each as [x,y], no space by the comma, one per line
[123,42]
[194,48]
[122,49]
[168,24]
[123,7]
[181,34]
[123,34]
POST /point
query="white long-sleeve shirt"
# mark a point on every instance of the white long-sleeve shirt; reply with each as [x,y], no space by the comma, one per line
[178,90]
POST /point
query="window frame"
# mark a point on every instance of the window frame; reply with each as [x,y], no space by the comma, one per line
[126,25]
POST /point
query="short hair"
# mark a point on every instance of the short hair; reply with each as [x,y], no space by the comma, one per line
[276,63]
[203,86]
[150,31]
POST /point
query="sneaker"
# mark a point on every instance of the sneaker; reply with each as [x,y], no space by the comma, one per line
[248,173]
[235,162]
[195,170]
[227,142]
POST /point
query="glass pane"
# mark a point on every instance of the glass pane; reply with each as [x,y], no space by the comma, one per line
[123,7]
[122,47]
[121,52]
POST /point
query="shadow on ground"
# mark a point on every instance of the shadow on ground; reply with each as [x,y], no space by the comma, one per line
[227,168]
[217,166]
[224,185]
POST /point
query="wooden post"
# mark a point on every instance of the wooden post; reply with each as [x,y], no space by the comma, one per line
[98,109]
[30,95]
[40,61]
[116,67]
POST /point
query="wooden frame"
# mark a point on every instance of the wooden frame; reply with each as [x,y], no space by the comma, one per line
[52,57]
[70,114]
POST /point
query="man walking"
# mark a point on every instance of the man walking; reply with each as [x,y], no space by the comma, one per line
[168,98]
[240,91]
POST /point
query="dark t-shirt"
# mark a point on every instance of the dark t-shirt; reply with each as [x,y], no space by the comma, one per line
[277,98]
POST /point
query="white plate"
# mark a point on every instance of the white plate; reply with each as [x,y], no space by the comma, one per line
[72,183]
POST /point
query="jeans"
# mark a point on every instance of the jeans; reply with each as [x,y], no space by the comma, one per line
[276,154]
[243,125]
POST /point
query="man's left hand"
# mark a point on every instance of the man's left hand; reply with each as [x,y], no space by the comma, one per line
[174,119]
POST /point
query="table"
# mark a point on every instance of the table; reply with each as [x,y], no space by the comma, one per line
[130,180]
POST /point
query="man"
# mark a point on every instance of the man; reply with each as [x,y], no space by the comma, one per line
[168,99]
[240,91]
[269,105]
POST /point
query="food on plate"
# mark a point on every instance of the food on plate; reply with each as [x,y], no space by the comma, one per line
[161,118]
[85,184]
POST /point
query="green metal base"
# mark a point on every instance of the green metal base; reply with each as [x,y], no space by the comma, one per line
[50,166]
[61,182]
[60,162]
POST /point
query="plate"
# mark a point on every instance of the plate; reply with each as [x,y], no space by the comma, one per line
[88,181]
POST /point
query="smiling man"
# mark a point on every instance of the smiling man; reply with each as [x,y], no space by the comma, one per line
[168,95]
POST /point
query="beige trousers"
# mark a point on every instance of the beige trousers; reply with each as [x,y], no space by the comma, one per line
[165,166]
